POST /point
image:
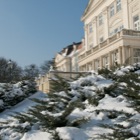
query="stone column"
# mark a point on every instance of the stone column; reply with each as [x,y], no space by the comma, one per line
[93,66]
[86,37]
[120,55]
[101,62]
[110,59]
[95,34]
[132,54]
[125,14]
[105,22]
[123,55]
[85,67]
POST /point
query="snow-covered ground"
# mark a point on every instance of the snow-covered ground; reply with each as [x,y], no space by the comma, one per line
[100,119]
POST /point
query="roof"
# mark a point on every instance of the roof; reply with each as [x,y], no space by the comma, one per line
[70,48]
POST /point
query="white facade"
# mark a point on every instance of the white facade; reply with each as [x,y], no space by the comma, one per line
[112,33]
[112,37]
[67,59]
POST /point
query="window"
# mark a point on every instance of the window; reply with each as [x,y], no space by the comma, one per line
[106,62]
[97,64]
[112,10]
[121,27]
[116,30]
[136,23]
[90,28]
[89,67]
[115,58]
[136,55]
[111,33]
[118,5]
[100,19]
[83,68]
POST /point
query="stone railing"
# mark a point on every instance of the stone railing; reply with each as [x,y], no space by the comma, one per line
[103,44]
[95,48]
[89,52]
[111,39]
[130,32]
[66,75]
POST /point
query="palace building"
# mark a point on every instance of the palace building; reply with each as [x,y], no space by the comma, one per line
[112,34]
[111,37]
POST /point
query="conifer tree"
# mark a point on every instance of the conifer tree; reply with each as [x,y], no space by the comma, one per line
[52,111]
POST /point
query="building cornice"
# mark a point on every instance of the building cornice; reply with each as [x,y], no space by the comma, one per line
[87,12]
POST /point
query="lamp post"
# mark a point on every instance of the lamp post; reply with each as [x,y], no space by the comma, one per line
[10,65]
[32,68]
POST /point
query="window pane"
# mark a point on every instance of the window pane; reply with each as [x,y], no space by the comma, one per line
[136,23]
[90,28]
[112,12]
[118,5]
[100,19]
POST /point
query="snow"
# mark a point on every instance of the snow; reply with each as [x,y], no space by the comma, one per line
[76,113]
[96,131]
[96,116]
[138,72]
[36,135]
[110,103]
[22,106]
[95,79]
[71,133]
[1,102]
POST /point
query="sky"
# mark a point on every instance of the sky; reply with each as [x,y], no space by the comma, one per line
[32,31]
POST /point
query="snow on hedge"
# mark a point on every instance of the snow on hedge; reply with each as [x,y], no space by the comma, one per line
[11,94]
[102,119]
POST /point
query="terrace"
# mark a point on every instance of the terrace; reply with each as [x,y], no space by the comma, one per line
[110,40]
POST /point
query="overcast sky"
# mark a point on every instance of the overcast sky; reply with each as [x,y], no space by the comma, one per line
[32,31]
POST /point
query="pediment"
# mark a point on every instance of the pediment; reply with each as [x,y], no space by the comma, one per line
[90,5]
[88,8]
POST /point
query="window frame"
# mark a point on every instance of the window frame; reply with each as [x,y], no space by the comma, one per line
[90,28]
[106,61]
[136,23]
[112,10]
[114,57]
[118,5]
[97,64]
[136,55]
[100,19]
